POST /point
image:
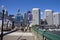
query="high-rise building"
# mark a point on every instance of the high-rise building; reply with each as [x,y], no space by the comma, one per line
[6,13]
[56,18]
[25,18]
[36,16]
[29,17]
[19,18]
[0,16]
[49,16]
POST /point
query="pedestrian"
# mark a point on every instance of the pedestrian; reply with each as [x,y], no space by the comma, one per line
[30,26]
[22,29]
[25,28]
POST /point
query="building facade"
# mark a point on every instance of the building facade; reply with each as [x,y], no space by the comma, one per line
[29,17]
[56,18]
[7,21]
[25,18]
[49,16]
[36,16]
[19,18]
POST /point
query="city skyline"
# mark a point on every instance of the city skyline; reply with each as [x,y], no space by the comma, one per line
[27,5]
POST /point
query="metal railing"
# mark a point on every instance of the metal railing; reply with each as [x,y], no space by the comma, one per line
[46,35]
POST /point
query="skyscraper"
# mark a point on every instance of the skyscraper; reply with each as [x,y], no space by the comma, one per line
[56,18]
[25,18]
[29,16]
[19,18]
[6,13]
[36,16]
[49,16]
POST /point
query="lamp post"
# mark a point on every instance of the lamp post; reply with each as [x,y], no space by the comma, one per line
[3,11]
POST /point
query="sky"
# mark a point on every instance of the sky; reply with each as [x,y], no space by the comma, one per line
[26,5]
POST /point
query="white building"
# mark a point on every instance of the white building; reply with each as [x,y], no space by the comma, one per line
[49,16]
[56,18]
[36,16]
[5,24]
[6,21]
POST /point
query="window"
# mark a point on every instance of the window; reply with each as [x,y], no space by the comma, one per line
[46,16]
[54,16]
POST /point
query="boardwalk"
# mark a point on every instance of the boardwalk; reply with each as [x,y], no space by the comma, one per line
[19,36]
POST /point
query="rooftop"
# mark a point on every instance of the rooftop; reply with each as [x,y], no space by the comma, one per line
[56,13]
[48,10]
[35,9]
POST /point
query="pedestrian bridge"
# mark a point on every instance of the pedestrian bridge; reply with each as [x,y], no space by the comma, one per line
[20,36]
[35,34]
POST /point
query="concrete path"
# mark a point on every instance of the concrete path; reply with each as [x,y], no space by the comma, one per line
[20,36]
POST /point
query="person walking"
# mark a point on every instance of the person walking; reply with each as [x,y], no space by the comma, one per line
[30,26]
[25,28]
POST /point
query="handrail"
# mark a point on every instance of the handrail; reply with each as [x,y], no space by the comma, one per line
[49,35]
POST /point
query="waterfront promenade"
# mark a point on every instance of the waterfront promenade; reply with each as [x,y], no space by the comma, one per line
[35,34]
[17,34]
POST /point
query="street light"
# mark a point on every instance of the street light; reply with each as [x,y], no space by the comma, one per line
[3,11]
[13,22]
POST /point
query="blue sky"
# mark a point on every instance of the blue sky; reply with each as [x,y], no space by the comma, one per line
[25,5]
